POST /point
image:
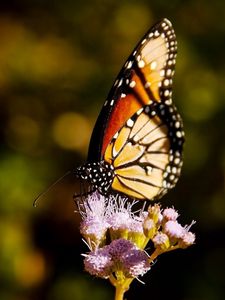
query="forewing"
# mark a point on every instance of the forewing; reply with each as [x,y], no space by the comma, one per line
[145,78]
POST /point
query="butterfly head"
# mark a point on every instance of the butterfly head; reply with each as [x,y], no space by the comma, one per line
[99,174]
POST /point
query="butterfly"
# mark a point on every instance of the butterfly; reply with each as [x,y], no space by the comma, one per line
[136,145]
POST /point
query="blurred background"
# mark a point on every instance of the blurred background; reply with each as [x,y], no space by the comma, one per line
[58,60]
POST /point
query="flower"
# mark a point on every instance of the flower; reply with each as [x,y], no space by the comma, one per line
[99,263]
[161,241]
[94,224]
[119,255]
[149,227]
[117,235]
[94,229]
[135,263]
[170,214]
[173,229]
[188,239]
[119,247]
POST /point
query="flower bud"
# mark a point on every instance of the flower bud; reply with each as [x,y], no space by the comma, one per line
[173,229]
[187,240]
[170,214]
[161,241]
[149,228]
[154,213]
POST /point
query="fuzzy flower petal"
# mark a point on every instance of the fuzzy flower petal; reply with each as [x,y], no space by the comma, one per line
[94,206]
[187,239]
[99,263]
[119,247]
[135,263]
[173,229]
[94,228]
[120,216]
[170,214]
[120,220]
[161,241]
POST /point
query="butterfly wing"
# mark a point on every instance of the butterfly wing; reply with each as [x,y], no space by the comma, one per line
[139,131]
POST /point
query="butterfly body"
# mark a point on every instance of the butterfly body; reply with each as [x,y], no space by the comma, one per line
[136,145]
[99,174]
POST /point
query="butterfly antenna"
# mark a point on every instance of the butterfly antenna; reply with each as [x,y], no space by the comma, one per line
[49,188]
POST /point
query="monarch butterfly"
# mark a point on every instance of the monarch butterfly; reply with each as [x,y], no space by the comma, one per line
[136,145]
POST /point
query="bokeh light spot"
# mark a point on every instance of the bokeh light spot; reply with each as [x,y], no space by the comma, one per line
[29,268]
[72,131]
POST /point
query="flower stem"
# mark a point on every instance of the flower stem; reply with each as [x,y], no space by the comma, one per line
[119,292]
[154,255]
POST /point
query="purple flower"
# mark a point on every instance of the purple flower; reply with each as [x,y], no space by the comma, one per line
[94,224]
[119,255]
[93,206]
[121,217]
[135,263]
[117,235]
[99,263]
[94,228]
[127,257]
[118,248]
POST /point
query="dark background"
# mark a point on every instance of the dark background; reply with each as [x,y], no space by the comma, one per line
[58,60]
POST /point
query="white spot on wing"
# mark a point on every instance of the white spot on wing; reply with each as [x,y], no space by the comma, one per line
[141,64]
[139,111]
[168,72]
[115,135]
[153,65]
[132,84]
[162,73]
[149,170]
[129,65]
[147,85]
[130,123]
[166,93]
[120,82]
[166,82]
[177,124]
[156,33]
[178,134]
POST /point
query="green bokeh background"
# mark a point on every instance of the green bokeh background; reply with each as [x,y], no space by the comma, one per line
[58,60]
